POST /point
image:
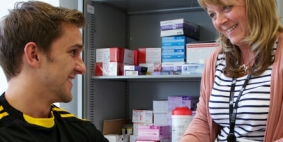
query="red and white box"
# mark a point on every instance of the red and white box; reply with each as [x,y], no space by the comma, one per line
[149,55]
[153,132]
[115,54]
[109,69]
[142,116]
[199,52]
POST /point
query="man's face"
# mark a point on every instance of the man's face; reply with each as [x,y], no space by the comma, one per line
[63,64]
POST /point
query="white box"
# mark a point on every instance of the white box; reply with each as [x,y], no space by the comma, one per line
[192,68]
[149,55]
[160,119]
[131,73]
[160,106]
[172,66]
[171,23]
[133,138]
[112,137]
[199,52]
[179,27]
[129,67]
[143,116]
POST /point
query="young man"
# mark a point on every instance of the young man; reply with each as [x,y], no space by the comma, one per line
[40,48]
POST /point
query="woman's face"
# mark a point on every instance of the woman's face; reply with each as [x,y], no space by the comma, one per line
[230,19]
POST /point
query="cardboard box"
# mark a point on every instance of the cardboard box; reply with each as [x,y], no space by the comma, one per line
[114,126]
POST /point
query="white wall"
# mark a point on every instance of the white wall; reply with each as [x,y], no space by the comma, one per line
[4,6]
[3,82]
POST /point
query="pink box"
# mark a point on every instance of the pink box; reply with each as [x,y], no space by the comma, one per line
[136,126]
[153,132]
[163,140]
[115,54]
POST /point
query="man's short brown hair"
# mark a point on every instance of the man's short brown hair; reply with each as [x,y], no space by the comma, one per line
[32,21]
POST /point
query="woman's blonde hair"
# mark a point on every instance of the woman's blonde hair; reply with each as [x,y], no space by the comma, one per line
[263,25]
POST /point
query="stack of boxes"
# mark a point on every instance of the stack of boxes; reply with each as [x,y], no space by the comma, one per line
[150,58]
[140,118]
[156,124]
[111,61]
[160,109]
[180,53]
[175,35]
[151,125]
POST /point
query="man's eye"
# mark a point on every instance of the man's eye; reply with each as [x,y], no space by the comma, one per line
[73,52]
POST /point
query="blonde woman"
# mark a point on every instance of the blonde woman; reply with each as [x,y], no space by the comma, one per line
[241,97]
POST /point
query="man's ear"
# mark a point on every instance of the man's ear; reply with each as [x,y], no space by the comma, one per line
[32,54]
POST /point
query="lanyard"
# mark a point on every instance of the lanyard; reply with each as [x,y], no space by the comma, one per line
[233,109]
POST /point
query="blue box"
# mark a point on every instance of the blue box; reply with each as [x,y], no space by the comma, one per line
[174,48]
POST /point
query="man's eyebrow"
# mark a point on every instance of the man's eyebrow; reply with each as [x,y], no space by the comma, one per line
[79,46]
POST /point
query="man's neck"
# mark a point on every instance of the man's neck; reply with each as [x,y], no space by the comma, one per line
[27,100]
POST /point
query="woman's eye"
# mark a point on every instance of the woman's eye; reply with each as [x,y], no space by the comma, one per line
[212,15]
[226,8]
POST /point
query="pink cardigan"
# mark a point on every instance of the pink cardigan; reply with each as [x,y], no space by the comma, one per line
[204,129]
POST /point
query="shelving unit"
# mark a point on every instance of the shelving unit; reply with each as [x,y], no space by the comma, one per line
[150,77]
[133,24]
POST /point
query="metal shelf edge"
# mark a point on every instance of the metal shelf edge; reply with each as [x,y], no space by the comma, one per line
[191,76]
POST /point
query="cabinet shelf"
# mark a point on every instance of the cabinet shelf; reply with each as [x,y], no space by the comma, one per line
[133,7]
[191,77]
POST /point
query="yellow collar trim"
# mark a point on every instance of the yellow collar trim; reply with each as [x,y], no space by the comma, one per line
[43,122]
[3,114]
